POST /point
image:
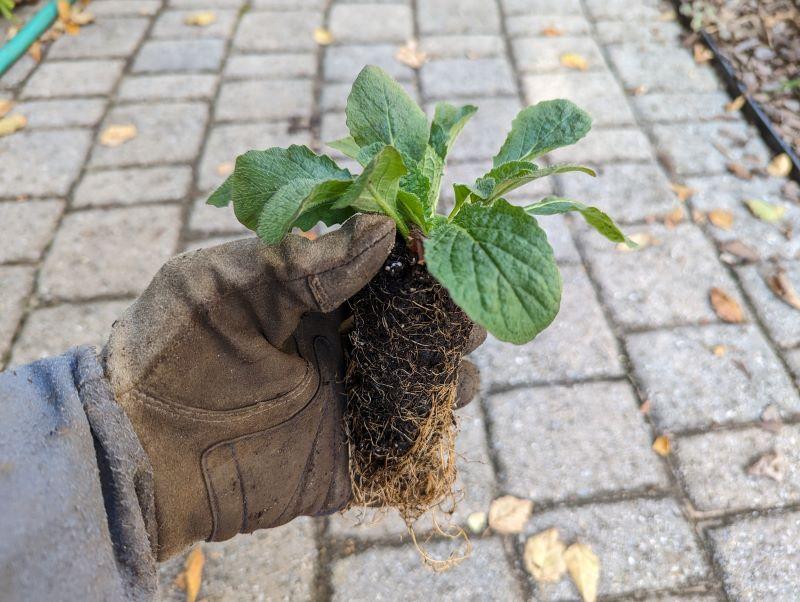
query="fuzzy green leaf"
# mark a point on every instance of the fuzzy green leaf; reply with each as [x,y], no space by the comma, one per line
[221,197]
[512,175]
[347,146]
[543,127]
[448,121]
[411,209]
[380,110]
[461,193]
[367,153]
[599,220]
[322,213]
[498,267]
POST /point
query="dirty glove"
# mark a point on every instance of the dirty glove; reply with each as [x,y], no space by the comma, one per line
[230,367]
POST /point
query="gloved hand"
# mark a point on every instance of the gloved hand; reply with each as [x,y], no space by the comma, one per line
[230,368]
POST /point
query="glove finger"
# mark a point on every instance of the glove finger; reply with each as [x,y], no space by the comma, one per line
[469,383]
[476,338]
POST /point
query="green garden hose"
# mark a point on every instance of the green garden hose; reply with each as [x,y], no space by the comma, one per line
[19,44]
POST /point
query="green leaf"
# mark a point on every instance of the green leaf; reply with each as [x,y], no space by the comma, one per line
[221,197]
[411,209]
[367,153]
[291,201]
[379,110]
[347,146]
[461,193]
[512,175]
[448,121]
[322,213]
[599,220]
[766,212]
[432,167]
[498,267]
[260,174]
[543,127]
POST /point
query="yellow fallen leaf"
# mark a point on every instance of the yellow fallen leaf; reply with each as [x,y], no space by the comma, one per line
[725,306]
[81,18]
[584,569]
[508,514]
[736,104]
[766,212]
[5,106]
[544,556]
[662,445]
[12,123]
[674,217]
[684,193]
[702,54]
[64,9]
[572,60]
[411,55]
[780,284]
[551,31]
[193,573]
[780,166]
[476,522]
[721,218]
[322,36]
[719,350]
[117,134]
[35,51]
[225,168]
[203,18]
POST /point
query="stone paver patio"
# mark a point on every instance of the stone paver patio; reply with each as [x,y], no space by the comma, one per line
[566,421]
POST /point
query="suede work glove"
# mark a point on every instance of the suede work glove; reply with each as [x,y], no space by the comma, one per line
[230,367]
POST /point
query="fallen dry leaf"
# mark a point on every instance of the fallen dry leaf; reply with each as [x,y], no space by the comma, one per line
[674,217]
[772,465]
[766,212]
[739,170]
[203,18]
[780,284]
[642,240]
[638,90]
[191,577]
[662,445]
[646,407]
[117,134]
[551,31]
[719,350]
[572,60]
[725,306]
[323,36]
[584,569]
[780,166]
[721,218]
[476,522]
[70,19]
[735,105]
[225,168]
[771,419]
[544,556]
[5,106]
[12,123]
[667,15]
[508,514]
[35,51]
[684,193]
[702,54]
[411,55]
[740,251]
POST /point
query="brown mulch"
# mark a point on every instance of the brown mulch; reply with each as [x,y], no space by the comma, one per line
[761,39]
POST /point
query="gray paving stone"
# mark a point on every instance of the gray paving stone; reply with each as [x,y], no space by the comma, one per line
[542,7]
[134,185]
[213,220]
[142,8]
[277,31]
[16,283]
[85,112]
[398,574]
[661,68]
[105,38]
[607,145]
[706,148]
[226,142]
[462,46]
[18,72]
[371,23]
[203,4]
[168,87]
[50,331]
[647,10]
[597,93]
[108,252]
[457,16]
[536,24]
[179,55]
[570,443]
[273,564]
[691,387]
[759,557]
[700,106]
[729,192]
[714,466]
[541,54]
[171,24]
[343,63]
[73,78]
[281,66]
[578,344]
[641,544]
[255,100]
[662,284]
[57,154]
[464,78]
[656,32]
[165,132]
[781,319]
[27,228]
[793,360]
[629,192]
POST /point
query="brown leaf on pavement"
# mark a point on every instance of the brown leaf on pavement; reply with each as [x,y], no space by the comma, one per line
[739,170]
[780,166]
[736,104]
[701,53]
[771,419]
[721,218]
[411,55]
[674,217]
[117,134]
[772,465]
[719,350]
[5,106]
[192,576]
[573,60]
[225,168]
[202,18]
[551,31]
[508,514]
[684,193]
[544,556]
[12,123]
[725,306]
[323,36]
[35,51]
[662,445]
[740,252]
[584,569]
[780,284]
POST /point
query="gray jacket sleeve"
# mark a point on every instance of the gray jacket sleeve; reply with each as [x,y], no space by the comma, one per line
[76,501]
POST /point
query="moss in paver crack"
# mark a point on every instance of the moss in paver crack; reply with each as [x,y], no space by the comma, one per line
[487,262]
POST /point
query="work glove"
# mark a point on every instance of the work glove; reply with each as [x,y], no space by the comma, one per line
[230,367]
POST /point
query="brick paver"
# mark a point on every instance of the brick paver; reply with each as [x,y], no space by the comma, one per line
[567,420]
